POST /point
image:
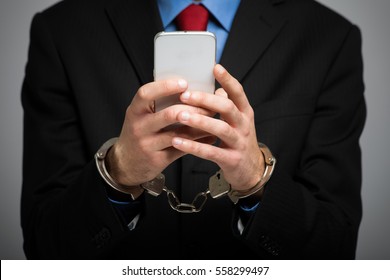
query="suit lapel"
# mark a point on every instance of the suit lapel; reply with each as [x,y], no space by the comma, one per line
[136,23]
[255,26]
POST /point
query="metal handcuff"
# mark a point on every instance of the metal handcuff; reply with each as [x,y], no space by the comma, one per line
[218,186]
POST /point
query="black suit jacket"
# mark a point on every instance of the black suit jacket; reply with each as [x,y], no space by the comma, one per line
[301,67]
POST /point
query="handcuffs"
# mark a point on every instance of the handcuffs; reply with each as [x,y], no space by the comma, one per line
[218,186]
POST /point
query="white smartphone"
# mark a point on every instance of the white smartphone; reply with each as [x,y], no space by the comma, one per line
[189,55]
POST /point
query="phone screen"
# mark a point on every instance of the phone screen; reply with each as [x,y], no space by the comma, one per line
[187,55]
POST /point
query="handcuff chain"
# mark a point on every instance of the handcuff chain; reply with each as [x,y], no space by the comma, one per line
[196,206]
[218,187]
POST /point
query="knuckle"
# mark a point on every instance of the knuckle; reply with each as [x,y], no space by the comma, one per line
[240,88]
[197,97]
[142,93]
[206,153]
[225,130]
[197,148]
[251,113]
[230,106]
[129,112]
[234,160]
[166,86]
[221,92]
[169,115]
[201,111]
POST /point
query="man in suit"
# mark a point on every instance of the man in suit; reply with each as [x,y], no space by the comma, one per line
[291,78]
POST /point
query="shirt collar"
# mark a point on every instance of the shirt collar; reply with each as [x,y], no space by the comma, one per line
[169,9]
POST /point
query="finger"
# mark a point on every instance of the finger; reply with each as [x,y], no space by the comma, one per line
[219,128]
[221,92]
[201,150]
[170,154]
[163,140]
[213,102]
[211,140]
[233,88]
[168,116]
[145,96]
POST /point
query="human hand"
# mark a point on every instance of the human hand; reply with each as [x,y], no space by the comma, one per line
[144,147]
[238,155]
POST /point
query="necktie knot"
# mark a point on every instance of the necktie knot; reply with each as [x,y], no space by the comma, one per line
[193,18]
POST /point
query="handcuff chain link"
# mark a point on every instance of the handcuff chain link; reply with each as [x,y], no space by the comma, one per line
[196,206]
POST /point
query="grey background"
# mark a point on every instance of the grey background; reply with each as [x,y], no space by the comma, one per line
[371,16]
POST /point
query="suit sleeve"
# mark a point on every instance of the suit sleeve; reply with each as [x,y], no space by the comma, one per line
[315,214]
[65,210]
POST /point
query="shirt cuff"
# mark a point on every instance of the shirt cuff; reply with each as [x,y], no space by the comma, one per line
[245,212]
[250,209]
[128,211]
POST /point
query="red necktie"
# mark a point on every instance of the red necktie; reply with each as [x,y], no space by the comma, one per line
[193,18]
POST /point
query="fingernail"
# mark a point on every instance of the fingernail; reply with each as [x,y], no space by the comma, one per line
[185,95]
[220,69]
[184,116]
[182,83]
[177,141]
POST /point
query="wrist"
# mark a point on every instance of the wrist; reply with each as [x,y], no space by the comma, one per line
[153,187]
[114,166]
[255,193]
[108,169]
